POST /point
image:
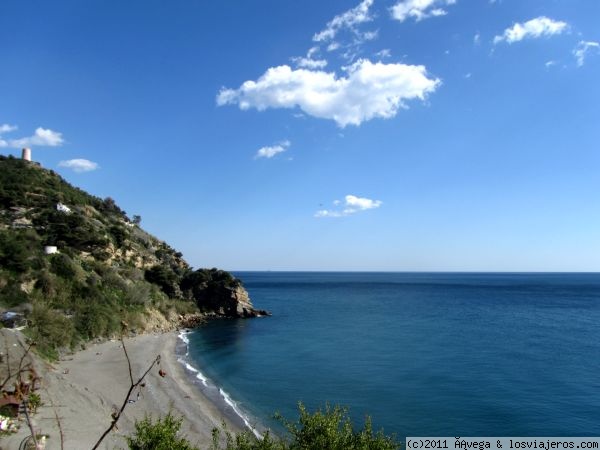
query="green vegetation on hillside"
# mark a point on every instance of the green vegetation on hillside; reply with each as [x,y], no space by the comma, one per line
[329,429]
[107,269]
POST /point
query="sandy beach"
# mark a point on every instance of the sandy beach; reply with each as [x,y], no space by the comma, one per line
[86,387]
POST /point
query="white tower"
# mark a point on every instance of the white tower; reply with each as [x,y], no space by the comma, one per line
[26,154]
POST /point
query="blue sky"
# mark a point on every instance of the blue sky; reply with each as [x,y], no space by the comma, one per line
[454,135]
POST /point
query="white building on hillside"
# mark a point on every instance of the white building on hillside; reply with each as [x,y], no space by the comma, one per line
[63,208]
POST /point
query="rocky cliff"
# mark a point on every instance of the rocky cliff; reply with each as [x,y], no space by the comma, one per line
[80,267]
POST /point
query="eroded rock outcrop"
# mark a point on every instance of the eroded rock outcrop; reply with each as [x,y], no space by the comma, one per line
[231,302]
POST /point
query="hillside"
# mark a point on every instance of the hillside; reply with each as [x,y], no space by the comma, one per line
[78,267]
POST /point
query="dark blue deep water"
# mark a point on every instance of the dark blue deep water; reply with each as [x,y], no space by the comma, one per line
[422,354]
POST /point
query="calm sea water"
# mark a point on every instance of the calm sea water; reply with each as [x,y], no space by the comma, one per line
[422,354]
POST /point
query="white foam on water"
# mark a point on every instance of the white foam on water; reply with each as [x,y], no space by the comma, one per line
[200,376]
[237,410]
[183,336]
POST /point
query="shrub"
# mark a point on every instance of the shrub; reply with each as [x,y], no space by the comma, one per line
[63,266]
[329,429]
[332,429]
[164,278]
[159,435]
[12,295]
[50,330]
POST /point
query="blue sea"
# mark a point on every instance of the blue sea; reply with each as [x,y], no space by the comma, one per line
[424,354]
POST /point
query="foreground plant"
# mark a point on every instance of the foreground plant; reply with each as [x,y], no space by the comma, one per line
[328,429]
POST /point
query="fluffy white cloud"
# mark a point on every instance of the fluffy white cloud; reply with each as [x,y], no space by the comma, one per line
[419,9]
[368,91]
[351,205]
[41,137]
[79,165]
[270,151]
[349,19]
[534,28]
[583,48]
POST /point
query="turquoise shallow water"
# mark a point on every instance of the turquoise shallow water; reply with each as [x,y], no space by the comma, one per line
[423,354]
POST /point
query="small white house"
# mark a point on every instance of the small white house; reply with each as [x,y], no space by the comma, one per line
[63,208]
[50,249]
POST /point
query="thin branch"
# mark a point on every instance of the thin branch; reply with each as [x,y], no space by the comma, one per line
[128,360]
[20,367]
[9,376]
[58,422]
[29,424]
[126,400]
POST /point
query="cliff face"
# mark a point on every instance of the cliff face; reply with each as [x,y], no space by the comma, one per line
[80,267]
[235,302]
[219,293]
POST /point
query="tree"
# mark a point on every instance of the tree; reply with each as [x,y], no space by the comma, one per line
[137,219]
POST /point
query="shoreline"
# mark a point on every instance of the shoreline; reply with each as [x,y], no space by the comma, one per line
[213,392]
[85,388]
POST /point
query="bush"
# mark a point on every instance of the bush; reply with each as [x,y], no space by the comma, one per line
[11,295]
[163,277]
[159,435]
[50,330]
[330,429]
[63,266]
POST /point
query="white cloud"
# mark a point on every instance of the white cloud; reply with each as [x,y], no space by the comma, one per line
[6,128]
[583,48]
[550,63]
[351,205]
[312,51]
[349,19]
[369,36]
[79,165]
[310,63]
[477,39]
[270,151]
[42,137]
[369,90]
[534,28]
[385,53]
[419,9]
[333,46]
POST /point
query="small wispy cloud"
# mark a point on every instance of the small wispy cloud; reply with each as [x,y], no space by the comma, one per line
[343,34]
[583,47]
[6,128]
[385,53]
[534,28]
[419,9]
[272,150]
[309,63]
[79,165]
[351,205]
[347,20]
[42,137]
